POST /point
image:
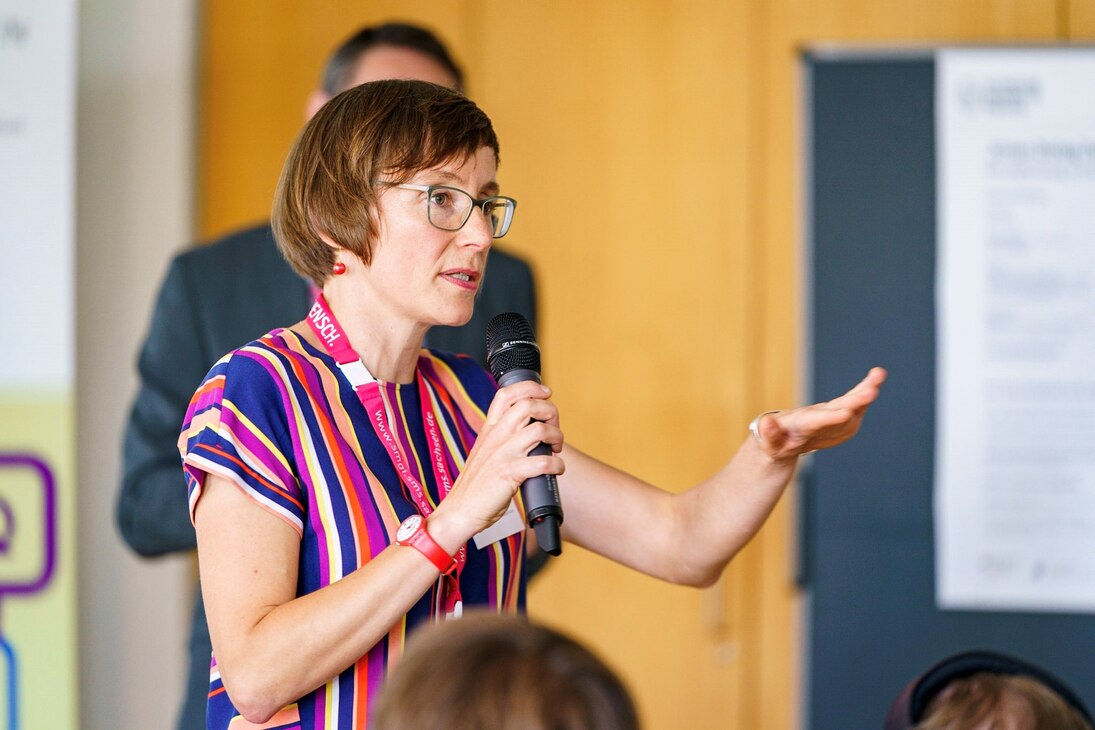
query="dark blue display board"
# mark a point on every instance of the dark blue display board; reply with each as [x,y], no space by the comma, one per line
[867,554]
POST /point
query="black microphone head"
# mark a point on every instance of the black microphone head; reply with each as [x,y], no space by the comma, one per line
[511,345]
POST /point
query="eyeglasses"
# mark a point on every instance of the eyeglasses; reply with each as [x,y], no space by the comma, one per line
[449,208]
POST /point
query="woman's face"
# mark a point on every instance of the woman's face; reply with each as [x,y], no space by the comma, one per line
[422,273]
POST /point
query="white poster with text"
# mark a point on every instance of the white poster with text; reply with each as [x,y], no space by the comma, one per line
[1015,301]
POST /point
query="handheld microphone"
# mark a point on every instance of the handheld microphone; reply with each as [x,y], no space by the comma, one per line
[513,357]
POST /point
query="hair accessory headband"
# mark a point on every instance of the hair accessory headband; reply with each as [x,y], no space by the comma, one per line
[910,706]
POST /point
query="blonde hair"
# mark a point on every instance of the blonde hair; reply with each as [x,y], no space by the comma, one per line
[369,136]
[982,697]
[501,672]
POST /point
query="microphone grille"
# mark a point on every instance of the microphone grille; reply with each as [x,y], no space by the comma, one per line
[511,345]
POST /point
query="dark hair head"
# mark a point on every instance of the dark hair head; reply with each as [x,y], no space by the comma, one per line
[971,682]
[339,70]
[501,672]
[377,133]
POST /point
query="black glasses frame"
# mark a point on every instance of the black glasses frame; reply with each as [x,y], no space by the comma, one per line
[508,206]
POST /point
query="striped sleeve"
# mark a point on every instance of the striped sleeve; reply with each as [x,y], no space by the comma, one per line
[235,428]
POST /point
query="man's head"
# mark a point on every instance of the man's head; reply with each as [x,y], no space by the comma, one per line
[388,51]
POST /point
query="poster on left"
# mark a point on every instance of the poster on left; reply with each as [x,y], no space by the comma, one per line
[38,641]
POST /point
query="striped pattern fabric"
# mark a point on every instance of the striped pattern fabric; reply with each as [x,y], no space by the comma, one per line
[277,419]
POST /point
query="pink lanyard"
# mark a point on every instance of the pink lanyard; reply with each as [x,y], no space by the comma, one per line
[330,333]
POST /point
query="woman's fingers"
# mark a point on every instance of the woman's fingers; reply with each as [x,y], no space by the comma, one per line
[516,409]
[863,393]
[821,426]
[528,409]
[506,398]
[542,432]
[534,466]
[519,419]
[518,443]
[867,390]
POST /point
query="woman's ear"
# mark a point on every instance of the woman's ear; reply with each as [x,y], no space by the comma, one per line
[328,240]
[315,100]
[339,255]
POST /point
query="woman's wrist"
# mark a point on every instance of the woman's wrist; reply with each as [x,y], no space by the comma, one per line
[754,429]
[772,454]
[448,530]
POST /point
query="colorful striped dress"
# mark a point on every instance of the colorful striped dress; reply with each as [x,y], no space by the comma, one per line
[279,420]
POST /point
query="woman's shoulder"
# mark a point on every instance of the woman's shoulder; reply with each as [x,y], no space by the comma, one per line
[253,379]
[265,361]
[281,342]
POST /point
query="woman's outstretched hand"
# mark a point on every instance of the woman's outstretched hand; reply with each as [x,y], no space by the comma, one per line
[787,434]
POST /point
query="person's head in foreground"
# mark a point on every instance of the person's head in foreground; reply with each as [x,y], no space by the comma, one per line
[981,690]
[501,672]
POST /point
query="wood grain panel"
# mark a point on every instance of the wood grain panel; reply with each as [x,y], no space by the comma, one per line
[259,60]
[1078,20]
[622,131]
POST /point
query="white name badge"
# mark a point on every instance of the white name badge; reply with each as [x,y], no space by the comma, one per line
[508,524]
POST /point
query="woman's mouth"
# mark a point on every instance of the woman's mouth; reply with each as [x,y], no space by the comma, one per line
[463,278]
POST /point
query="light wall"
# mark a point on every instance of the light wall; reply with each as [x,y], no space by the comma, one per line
[134,201]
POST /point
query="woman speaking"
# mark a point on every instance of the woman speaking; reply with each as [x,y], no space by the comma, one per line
[342,479]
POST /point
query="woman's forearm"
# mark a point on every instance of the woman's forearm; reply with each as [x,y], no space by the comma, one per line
[689,537]
[715,519]
[683,538]
[271,646]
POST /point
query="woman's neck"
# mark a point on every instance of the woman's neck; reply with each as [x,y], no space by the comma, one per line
[387,345]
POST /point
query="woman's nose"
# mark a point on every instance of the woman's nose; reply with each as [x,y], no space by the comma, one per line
[479,230]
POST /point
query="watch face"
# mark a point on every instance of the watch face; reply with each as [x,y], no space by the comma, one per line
[408,528]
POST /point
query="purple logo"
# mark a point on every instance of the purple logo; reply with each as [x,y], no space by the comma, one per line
[10,525]
[10,529]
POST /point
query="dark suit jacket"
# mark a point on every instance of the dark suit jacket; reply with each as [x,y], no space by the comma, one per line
[216,298]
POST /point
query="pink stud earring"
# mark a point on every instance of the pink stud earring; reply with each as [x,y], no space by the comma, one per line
[338,269]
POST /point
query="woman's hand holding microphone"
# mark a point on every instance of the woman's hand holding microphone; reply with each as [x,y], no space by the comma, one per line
[519,418]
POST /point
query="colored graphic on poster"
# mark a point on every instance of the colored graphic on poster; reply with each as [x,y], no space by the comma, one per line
[28,551]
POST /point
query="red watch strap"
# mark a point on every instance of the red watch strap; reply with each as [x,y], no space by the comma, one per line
[423,542]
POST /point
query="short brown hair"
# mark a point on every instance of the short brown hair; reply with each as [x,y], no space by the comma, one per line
[501,672]
[383,130]
[970,701]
